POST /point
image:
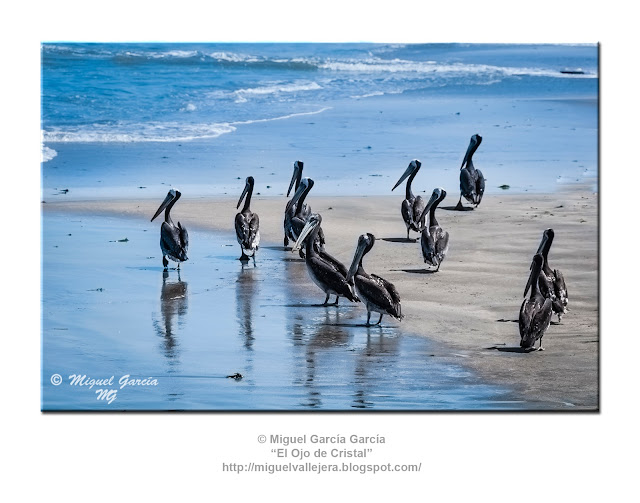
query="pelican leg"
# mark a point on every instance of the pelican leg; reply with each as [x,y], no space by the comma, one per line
[243,257]
[165,262]
[379,320]
[178,268]
[407,233]
[540,348]
[368,318]
[459,205]
[301,253]
[326,301]
[336,302]
[254,258]
[286,241]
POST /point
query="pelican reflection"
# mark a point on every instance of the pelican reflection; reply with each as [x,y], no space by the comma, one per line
[173,307]
[245,298]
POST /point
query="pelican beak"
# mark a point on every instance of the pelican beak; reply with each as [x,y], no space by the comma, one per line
[309,226]
[535,272]
[433,199]
[296,170]
[414,166]
[244,193]
[164,204]
[362,244]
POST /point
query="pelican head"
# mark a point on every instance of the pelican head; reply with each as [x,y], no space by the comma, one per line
[365,243]
[314,221]
[437,196]
[247,186]
[475,142]
[536,266]
[172,195]
[545,243]
[412,169]
[297,175]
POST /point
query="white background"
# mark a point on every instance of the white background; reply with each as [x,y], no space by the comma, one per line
[177,457]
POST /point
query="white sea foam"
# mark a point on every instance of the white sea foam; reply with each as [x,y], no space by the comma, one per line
[48,153]
[282,117]
[129,133]
[241,94]
[368,95]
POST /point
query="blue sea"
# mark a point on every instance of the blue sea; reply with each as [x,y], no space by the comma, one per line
[116,117]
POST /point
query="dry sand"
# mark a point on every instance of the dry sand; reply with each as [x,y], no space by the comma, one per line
[480,282]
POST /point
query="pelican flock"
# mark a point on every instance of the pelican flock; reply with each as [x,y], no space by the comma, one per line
[545,292]
[377,294]
[471,179]
[536,311]
[557,289]
[434,240]
[326,271]
[412,207]
[247,224]
[174,239]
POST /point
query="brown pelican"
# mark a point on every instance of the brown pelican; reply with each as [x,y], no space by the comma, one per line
[536,311]
[298,220]
[377,293]
[174,239]
[247,224]
[435,240]
[412,206]
[325,271]
[551,282]
[471,179]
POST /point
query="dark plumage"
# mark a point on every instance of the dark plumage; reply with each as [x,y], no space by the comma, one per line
[377,294]
[435,240]
[536,310]
[471,179]
[247,224]
[326,271]
[174,239]
[412,207]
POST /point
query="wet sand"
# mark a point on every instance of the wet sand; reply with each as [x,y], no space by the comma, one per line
[461,308]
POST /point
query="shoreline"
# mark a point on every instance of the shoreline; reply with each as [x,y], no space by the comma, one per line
[480,281]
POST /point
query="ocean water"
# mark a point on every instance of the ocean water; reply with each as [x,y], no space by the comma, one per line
[116,117]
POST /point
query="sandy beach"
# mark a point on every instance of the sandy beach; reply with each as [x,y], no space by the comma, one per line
[468,306]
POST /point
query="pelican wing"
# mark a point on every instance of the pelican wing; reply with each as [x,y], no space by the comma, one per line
[442,242]
[467,185]
[479,185]
[535,317]
[390,287]
[560,287]
[171,242]
[328,274]
[374,291]
[418,208]
[184,237]
[406,210]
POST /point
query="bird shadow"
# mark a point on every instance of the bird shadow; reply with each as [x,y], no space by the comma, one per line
[352,325]
[399,240]
[416,271]
[303,305]
[513,349]
[279,248]
[293,259]
[503,320]
[456,208]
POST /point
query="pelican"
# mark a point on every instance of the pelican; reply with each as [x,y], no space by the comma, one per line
[301,215]
[536,311]
[291,210]
[551,282]
[412,206]
[378,294]
[247,224]
[471,179]
[325,271]
[435,240]
[174,239]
